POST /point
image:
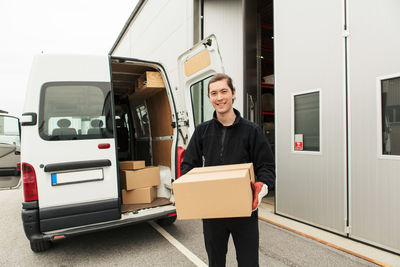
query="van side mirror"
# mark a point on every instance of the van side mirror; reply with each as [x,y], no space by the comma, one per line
[29,119]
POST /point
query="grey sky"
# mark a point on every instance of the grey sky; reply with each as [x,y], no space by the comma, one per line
[53,26]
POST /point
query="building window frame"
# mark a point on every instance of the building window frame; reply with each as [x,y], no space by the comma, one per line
[379,113]
[292,141]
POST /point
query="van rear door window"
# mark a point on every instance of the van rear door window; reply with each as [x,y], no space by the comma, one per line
[202,108]
[73,110]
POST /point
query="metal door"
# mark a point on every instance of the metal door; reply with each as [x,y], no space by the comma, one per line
[374,121]
[309,84]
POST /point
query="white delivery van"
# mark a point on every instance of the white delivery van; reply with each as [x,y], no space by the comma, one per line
[82,116]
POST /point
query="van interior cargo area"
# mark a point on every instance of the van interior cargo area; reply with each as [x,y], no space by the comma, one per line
[144,123]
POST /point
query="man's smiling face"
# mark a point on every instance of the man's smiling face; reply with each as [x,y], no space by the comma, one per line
[221,96]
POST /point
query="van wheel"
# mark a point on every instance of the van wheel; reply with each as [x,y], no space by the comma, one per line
[166,221]
[40,245]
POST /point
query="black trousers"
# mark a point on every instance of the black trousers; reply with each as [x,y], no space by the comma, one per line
[245,236]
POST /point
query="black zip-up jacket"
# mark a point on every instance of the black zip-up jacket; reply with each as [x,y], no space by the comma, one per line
[241,142]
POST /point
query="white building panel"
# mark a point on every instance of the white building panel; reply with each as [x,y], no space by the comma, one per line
[309,57]
[374,177]
[160,32]
[224,19]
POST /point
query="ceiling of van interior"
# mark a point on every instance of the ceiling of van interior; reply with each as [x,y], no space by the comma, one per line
[124,75]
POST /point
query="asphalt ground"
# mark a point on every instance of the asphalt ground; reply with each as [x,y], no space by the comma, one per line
[142,245]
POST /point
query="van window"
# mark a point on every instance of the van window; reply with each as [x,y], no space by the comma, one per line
[72,111]
[9,130]
[142,122]
[202,108]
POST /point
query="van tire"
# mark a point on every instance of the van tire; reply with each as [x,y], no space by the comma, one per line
[40,245]
[166,221]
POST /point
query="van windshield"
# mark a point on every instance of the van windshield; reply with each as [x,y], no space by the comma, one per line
[72,111]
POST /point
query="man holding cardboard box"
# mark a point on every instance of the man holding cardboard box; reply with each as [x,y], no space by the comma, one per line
[230,139]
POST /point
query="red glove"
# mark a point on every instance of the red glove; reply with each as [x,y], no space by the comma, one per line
[259,191]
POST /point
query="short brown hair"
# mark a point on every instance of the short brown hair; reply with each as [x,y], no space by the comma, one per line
[219,77]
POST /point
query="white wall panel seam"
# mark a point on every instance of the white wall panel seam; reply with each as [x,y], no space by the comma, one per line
[346,148]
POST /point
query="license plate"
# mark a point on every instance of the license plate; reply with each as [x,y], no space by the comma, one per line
[76,177]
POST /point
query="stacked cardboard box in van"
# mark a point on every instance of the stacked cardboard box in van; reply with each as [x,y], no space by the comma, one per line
[138,182]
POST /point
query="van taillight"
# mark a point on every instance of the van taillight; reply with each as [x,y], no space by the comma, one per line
[29,179]
[180,152]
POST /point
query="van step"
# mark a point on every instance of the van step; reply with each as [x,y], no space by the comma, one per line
[161,201]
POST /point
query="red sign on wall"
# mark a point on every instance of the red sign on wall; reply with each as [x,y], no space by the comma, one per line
[298,145]
[298,142]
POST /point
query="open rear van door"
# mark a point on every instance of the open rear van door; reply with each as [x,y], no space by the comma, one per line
[9,152]
[68,144]
[196,67]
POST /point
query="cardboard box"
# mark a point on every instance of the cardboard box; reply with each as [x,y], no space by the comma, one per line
[139,196]
[214,192]
[149,176]
[150,79]
[267,101]
[132,165]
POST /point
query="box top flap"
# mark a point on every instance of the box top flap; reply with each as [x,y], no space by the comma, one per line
[223,168]
[218,175]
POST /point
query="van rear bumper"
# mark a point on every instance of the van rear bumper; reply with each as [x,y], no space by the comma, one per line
[108,225]
[30,219]
[68,216]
